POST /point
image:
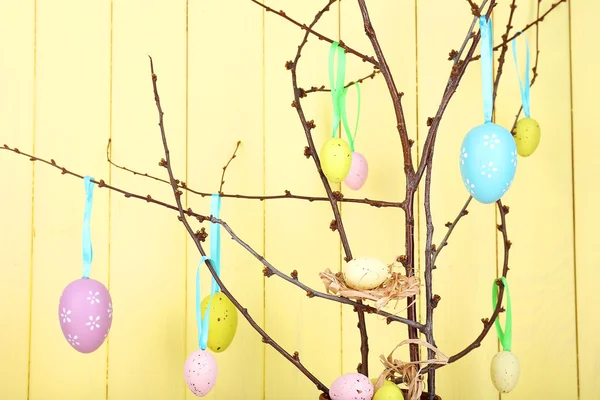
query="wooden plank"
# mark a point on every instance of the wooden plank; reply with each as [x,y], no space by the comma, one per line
[16,112]
[379,232]
[297,233]
[466,268]
[148,259]
[224,106]
[585,83]
[71,126]
[542,256]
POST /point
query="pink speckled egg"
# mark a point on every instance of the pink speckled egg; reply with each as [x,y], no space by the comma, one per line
[85,314]
[200,371]
[353,386]
[359,170]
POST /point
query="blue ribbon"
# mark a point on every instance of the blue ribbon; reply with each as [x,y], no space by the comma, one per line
[485,27]
[525,88]
[88,253]
[215,252]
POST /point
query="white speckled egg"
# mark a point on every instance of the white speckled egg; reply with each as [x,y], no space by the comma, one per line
[365,273]
[505,371]
[353,386]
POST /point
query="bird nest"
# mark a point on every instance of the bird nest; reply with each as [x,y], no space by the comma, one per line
[395,288]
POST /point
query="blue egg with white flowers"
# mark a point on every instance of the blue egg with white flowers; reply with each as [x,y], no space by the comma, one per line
[488,162]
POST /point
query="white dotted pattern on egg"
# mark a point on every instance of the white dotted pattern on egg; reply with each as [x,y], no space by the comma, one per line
[505,371]
[488,162]
[353,386]
[365,273]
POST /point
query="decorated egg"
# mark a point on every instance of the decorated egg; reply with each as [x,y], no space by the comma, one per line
[200,371]
[353,386]
[389,391]
[365,273]
[505,371]
[359,170]
[85,314]
[336,159]
[223,322]
[527,136]
[488,162]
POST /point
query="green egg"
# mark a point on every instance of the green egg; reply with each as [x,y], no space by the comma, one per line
[223,321]
[527,136]
[389,391]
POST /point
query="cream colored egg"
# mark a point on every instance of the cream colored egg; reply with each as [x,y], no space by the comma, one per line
[505,371]
[365,273]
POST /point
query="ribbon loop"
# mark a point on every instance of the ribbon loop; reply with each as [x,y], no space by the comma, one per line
[524,86]
[338,93]
[485,27]
[88,253]
[506,335]
[215,260]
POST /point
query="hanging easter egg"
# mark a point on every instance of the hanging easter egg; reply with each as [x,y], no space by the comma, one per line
[389,391]
[359,170]
[200,371]
[336,159]
[353,386]
[365,273]
[223,321]
[505,370]
[488,162]
[527,136]
[85,314]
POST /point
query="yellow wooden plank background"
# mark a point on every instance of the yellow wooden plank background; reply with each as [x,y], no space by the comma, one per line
[75,74]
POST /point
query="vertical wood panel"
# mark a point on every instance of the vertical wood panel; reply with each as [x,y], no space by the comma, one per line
[148,261]
[225,105]
[586,84]
[466,268]
[298,234]
[16,79]
[72,99]
[379,232]
[541,200]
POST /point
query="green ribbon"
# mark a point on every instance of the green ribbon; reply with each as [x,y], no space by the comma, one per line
[506,335]
[338,93]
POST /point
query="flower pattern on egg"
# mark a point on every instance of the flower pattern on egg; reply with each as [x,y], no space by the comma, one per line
[490,141]
[110,310]
[463,155]
[93,323]
[470,186]
[73,340]
[488,169]
[513,160]
[65,315]
[93,297]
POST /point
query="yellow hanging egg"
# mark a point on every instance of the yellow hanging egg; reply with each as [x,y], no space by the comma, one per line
[336,159]
[223,321]
[527,136]
[389,391]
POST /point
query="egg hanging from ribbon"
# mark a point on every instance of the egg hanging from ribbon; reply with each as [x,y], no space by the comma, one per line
[223,321]
[527,136]
[200,372]
[85,314]
[359,171]
[505,371]
[336,159]
[488,162]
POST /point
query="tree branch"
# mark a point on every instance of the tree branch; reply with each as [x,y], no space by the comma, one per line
[450,225]
[294,359]
[314,89]
[237,146]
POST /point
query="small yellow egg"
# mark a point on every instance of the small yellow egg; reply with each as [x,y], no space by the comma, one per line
[505,371]
[365,273]
[389,391]
[336,159]
[527,136]
[223,321]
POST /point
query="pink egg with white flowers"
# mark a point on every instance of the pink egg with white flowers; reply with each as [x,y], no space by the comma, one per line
[200,371]
[352,386]
[85,314]
[359,170]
